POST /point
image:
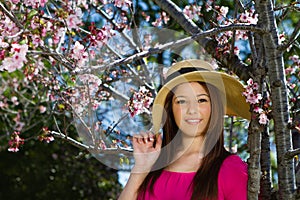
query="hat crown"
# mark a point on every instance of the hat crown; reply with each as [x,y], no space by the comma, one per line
[192,63]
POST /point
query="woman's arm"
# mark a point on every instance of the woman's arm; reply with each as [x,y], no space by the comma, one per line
[130,190]
[145,154]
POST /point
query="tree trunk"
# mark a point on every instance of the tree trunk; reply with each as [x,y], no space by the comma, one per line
[280,110]
[265,181]
[254,146]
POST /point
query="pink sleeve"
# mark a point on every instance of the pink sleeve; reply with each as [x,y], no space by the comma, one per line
[233,178]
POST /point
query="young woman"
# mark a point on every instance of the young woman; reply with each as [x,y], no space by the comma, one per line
[188,160]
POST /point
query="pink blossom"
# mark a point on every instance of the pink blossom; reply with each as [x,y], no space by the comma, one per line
[15,142]
[192,11]
[3,44]
[34,23]
[251,94]
[188,12]
[253,98]
[9,27]
[46,136]
[250,81]
[140,101]
[281,38]
[257,109]
[74,20]
[15,101]
[208,5]
[263,118]
[78,50]
[43,2]
[249,17]
[241,35]
[224,10]
[37,41]
[222,14]
[35,3]
[79,54]
[17,60]
[294,58]
[47,139]
[15,1]
[121,3]
[42,109]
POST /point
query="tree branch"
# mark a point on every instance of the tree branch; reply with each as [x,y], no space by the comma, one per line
[11,16]
[293,38]
[231,62]
[93,149]
[292,153]
[171,45]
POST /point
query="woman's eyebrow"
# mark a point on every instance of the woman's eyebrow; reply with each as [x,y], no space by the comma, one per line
[202,95]
[184,96]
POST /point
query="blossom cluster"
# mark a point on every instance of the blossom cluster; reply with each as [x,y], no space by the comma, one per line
[15,142]
[254,98]
[16,60]
[162,18]
[45,136]
[140,101]
[86,95]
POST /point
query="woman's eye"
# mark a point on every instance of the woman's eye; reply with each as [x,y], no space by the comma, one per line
[202,100]
[180,101]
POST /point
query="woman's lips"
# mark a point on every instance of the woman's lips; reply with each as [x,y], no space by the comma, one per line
[193,121]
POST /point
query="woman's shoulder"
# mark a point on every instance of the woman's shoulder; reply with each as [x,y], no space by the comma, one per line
[233,177]
[234,162]
[234,168]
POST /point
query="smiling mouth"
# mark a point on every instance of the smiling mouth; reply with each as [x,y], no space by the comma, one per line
[193,121]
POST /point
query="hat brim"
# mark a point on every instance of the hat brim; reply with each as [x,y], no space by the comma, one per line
[232,89]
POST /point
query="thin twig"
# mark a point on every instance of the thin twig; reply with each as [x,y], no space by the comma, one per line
[174,44]
[92,149]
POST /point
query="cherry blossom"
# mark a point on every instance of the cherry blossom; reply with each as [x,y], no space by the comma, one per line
[163,18]
[8,28]
[192,11]
[263,118]
[15,142]
[140,101]
[42,109]
[45,136]
[17,60]
[249,17]
[251,93]
[79,54]
[74,20]
[121,3]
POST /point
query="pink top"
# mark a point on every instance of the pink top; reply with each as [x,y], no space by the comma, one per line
[232,183]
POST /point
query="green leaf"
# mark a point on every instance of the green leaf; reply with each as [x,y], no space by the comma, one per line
[32,14]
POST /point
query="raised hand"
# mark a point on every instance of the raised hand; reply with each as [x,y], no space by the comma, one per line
[146,149]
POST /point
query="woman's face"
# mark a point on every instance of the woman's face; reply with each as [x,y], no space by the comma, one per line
[191,108]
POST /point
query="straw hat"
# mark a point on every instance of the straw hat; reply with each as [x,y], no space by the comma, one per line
[201,71]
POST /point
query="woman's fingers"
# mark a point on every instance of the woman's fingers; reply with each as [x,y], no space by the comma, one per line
[143,138]
[144,142]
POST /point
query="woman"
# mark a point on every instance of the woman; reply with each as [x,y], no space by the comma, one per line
[189,160]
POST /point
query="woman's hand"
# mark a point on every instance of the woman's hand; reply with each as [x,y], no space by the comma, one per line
[146,149]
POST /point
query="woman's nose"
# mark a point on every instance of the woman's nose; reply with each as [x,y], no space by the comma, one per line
[192,108]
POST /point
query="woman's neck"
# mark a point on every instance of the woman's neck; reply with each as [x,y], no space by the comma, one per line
[192,145]
[188,157]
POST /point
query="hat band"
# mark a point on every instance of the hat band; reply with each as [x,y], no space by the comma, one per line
[183,71]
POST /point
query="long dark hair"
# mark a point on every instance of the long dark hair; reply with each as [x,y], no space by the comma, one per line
[205,182]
